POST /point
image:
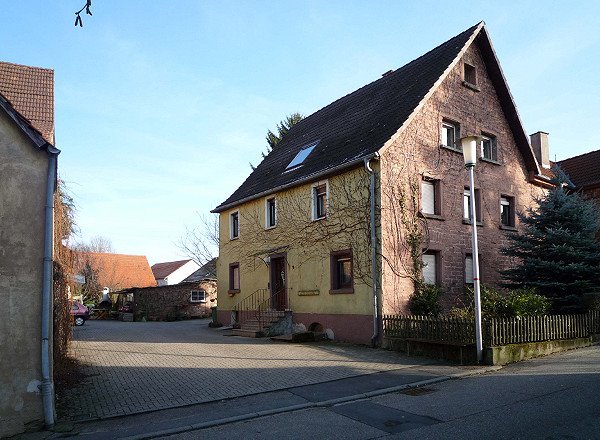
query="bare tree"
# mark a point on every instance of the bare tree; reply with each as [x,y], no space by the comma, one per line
[201,242]
[96,244]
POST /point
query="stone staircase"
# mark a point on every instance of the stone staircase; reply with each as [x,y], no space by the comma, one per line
[252,328]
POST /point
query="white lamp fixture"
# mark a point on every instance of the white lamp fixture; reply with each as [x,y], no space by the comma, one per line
[469,149]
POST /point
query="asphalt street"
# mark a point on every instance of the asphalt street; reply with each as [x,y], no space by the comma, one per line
[554,397]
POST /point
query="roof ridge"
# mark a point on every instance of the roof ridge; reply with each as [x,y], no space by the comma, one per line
[578,156]
[28,66]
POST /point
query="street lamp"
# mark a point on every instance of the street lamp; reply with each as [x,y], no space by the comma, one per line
[469,148]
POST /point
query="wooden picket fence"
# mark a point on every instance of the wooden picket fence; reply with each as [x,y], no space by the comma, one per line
[496,332]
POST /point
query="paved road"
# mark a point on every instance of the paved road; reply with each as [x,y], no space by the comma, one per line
[555,397]
[139,367]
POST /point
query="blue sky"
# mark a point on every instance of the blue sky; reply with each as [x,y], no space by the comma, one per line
[161,106]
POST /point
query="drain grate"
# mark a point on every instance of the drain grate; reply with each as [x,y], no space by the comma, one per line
[417,391]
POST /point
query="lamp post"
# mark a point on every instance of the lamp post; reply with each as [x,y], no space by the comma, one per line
[469,149]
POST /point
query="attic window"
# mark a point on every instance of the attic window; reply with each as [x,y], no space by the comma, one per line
[301,156]
[470,77]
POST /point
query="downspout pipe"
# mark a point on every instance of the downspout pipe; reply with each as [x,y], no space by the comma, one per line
[376,317]
[47,380]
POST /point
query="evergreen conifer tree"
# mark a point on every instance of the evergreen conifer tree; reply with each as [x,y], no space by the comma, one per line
[558,251]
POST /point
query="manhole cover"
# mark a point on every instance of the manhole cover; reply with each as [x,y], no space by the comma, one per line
[417,391]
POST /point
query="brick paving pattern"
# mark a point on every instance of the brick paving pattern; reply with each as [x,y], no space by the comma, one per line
[145,366]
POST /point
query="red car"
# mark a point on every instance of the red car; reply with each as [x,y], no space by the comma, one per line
[79,312]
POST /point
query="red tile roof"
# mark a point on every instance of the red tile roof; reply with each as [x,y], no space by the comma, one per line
[119,271]
[162,270]
[30,90]
[583,170]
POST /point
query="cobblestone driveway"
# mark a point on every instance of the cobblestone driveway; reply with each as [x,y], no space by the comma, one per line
[145,366]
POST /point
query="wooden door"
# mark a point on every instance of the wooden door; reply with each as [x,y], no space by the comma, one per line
[278,283]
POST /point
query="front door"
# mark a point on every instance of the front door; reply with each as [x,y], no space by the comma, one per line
[278,283]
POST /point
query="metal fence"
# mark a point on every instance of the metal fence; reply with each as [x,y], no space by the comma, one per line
[496,331]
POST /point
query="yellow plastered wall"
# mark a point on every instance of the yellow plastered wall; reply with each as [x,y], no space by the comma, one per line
[307,244]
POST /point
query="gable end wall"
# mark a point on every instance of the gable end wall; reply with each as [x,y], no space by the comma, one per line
[417,152]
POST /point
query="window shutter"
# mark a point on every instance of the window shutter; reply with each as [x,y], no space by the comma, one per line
[469,269]
[428,197]
[429,268]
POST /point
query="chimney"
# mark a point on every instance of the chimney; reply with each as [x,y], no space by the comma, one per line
[539,144]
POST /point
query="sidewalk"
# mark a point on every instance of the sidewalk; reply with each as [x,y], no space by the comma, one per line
[325,394]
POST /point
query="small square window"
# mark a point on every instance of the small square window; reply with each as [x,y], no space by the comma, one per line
[270,213]
[198,296]
[470,74]
[234,277]
[342,280]
[507,211]
[489,148]
[450,135]
[430,267]
[319,201]
[467,205]
[234,225]
[430,197]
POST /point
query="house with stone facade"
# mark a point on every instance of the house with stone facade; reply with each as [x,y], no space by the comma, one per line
[28,164]
[191,298]
[368,195]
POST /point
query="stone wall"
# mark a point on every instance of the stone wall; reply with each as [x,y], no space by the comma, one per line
[416,154]
[173,302]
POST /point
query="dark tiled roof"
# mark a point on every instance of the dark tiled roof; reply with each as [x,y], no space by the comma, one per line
[206,272]
[162,270]
[353,127]
[583,170]
[30,90]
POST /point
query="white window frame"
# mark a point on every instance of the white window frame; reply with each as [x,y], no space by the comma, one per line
[434,185]
[231,214]
[313,200]
[467,206]
[267,212]
[493,147]
[203,300]
[510,202]
[456,128]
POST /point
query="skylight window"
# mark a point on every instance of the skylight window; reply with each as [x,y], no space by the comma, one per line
[301,156]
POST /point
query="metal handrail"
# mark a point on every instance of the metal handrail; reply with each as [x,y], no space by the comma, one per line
[246,309]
